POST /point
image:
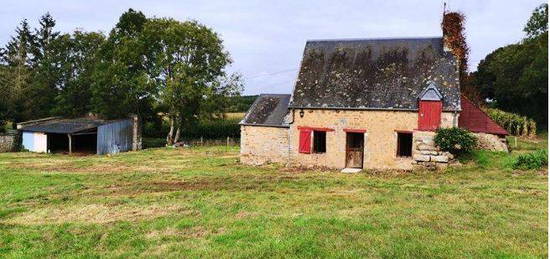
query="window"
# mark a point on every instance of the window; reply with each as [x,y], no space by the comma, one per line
[319,142]
[404,144]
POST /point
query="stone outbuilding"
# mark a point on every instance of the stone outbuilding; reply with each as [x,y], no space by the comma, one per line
[361,103]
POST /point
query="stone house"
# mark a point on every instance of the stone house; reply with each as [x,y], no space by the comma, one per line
[360,103]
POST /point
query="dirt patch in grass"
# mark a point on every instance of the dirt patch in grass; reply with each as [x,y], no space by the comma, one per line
[92,213]
[193,232]
[234,183]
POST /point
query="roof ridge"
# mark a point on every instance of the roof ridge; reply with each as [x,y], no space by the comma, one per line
[374,39]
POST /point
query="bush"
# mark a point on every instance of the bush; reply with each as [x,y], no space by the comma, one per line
[515,124]
[215,129]
[455,140]
[534,160]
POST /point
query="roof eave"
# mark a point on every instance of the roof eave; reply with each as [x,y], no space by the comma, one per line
[366,109]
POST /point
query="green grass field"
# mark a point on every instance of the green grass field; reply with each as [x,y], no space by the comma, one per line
[201,202]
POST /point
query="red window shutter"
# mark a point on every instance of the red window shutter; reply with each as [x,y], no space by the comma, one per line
[305,141]
[429,115]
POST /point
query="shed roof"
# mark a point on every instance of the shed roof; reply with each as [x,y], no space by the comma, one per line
[475,119]
[64,126]
[375,74]
[268,110]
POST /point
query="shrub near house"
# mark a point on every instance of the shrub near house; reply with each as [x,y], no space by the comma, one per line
[455,140]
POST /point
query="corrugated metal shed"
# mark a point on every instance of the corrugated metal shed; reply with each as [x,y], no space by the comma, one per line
[474,119]
[114,137]
[64,126]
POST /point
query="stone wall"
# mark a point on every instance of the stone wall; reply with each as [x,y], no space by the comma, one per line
[380,137]
[261,145]
[491,142]
[426,153]
[9,142]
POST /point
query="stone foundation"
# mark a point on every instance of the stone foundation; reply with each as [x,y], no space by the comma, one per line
[426,153]
[491,142]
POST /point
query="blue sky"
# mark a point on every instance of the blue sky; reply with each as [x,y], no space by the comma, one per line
[266,38]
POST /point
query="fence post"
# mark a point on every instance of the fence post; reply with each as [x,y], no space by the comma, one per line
[202,143]
[227,142]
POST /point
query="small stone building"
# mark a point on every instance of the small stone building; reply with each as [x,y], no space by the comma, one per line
[366,103]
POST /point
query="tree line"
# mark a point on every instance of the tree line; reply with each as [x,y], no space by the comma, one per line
[514,78]
[156,68]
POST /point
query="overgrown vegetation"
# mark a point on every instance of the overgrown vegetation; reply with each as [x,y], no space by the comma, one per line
[151,67]
[200,202]
[515,77]
[455,38]
[455,140]
[515,124]
[533,160]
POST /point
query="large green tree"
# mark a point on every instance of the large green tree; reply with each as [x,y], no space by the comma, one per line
[189,68]
[45,69]
[121,84]
[16,73]
[76,58]
[515,77]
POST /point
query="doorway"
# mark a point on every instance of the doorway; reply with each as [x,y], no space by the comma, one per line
[354,149]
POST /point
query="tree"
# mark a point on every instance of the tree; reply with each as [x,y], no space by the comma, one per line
[538,23]
[189,67]
[76,55]
[45,69]
[17,58]
[516,76]
[121,85]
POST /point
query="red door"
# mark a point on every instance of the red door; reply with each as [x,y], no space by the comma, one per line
[429,115]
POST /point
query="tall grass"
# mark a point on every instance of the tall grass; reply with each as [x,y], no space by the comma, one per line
[515,124]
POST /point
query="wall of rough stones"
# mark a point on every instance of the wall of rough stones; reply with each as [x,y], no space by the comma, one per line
[9,142]
[380,137]
[261,145]
[491,142]
[426,153]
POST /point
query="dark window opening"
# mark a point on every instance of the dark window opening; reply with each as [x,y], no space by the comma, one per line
[404,144]
[319,142]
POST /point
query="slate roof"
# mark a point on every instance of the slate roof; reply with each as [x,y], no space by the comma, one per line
[268,110]
[386,74]
[64,126]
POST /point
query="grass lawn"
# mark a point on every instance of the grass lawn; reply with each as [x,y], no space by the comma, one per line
[201,202]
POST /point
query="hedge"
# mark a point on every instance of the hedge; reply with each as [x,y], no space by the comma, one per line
[515,124]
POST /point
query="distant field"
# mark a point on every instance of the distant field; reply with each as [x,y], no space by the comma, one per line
[200,202]
[235,115]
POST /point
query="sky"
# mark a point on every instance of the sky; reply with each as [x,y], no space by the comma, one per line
[266,38]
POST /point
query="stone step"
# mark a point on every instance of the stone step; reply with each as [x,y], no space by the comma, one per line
[351,170]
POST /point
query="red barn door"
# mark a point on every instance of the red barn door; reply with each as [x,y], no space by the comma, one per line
[429,115]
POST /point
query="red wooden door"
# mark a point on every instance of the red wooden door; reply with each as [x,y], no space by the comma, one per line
[429,115]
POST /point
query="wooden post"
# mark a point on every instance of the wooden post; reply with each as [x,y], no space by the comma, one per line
[70,143]
[515,141]
[227,142]
[202,143]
